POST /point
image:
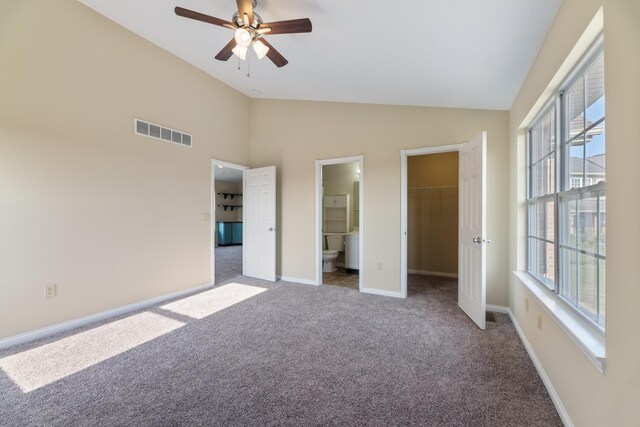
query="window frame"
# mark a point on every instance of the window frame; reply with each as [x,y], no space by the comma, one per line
[562,189]
[551,104]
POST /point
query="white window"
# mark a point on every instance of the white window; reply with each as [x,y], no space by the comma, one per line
[576,182]
[566,191]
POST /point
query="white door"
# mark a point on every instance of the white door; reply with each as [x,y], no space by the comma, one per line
[472,235]
[259,235]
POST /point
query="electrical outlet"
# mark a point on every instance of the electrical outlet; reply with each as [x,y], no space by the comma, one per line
[539,321]
[50,291]
[379,266]
[526,305]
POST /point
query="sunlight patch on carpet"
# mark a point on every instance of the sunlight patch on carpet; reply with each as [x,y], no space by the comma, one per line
[35,368]
[207,303]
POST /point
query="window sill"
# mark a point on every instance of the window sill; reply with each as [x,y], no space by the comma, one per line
[589,340]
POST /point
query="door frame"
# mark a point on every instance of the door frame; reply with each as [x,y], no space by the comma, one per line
[319,195]
[404,155]
[212,217]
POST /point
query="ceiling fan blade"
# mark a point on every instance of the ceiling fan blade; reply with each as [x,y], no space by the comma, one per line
[226,51]
[274,55]
[289,27]
[186,13]
[245,7]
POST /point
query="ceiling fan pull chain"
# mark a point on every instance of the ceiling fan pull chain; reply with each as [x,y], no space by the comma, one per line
[248,69]
[238,64]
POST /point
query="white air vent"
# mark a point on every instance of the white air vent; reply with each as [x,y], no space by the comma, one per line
[162,133]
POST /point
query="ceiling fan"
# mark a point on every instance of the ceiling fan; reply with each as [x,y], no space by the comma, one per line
[249,31]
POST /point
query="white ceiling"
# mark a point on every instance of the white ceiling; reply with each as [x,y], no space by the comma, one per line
[445,53]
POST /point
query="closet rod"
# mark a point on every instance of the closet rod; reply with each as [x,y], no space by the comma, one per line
[445,187]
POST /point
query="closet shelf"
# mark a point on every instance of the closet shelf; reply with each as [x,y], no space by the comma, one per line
[232,207]
[231,195]
[335,213]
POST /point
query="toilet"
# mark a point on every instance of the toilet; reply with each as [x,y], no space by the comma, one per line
[335,245]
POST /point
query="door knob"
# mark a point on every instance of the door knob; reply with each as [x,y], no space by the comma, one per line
[479,240]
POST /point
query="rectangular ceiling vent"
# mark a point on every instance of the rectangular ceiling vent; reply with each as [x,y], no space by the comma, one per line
[162,133]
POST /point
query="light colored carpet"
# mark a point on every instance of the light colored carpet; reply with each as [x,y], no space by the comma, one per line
[288,354]
[228,263]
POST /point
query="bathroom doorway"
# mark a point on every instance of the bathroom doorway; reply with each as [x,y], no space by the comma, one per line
[432,226]
[227,220]
[339,222]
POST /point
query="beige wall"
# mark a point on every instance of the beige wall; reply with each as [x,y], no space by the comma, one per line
[432,213]
[109,217]
[339,179]
[591,399]
[292,135]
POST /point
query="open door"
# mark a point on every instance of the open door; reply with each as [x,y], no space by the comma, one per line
[259,207]
[472,245]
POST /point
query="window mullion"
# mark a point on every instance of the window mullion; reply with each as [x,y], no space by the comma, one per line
[585,99]
[560,132]
[544,230]
[598,258]
[529,194]
[556,238]
[529,163]
[558,185]
[576,252]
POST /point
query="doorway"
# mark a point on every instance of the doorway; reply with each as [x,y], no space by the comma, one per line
[226,220]
[472,239]
[339,222]
[420,179]
[432,224]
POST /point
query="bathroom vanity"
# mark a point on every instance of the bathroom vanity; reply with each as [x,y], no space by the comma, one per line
[352,252]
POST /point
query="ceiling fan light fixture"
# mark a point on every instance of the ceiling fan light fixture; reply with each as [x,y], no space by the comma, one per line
[260,48]
[248,27]
[240,51]
[243,37]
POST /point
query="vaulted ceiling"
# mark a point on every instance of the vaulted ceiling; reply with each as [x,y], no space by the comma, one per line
[444,53]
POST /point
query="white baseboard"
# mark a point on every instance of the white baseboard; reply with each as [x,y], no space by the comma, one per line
[498,309]
[82,321]
[381,292]
[432,273]
[564,415]
[297,280]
